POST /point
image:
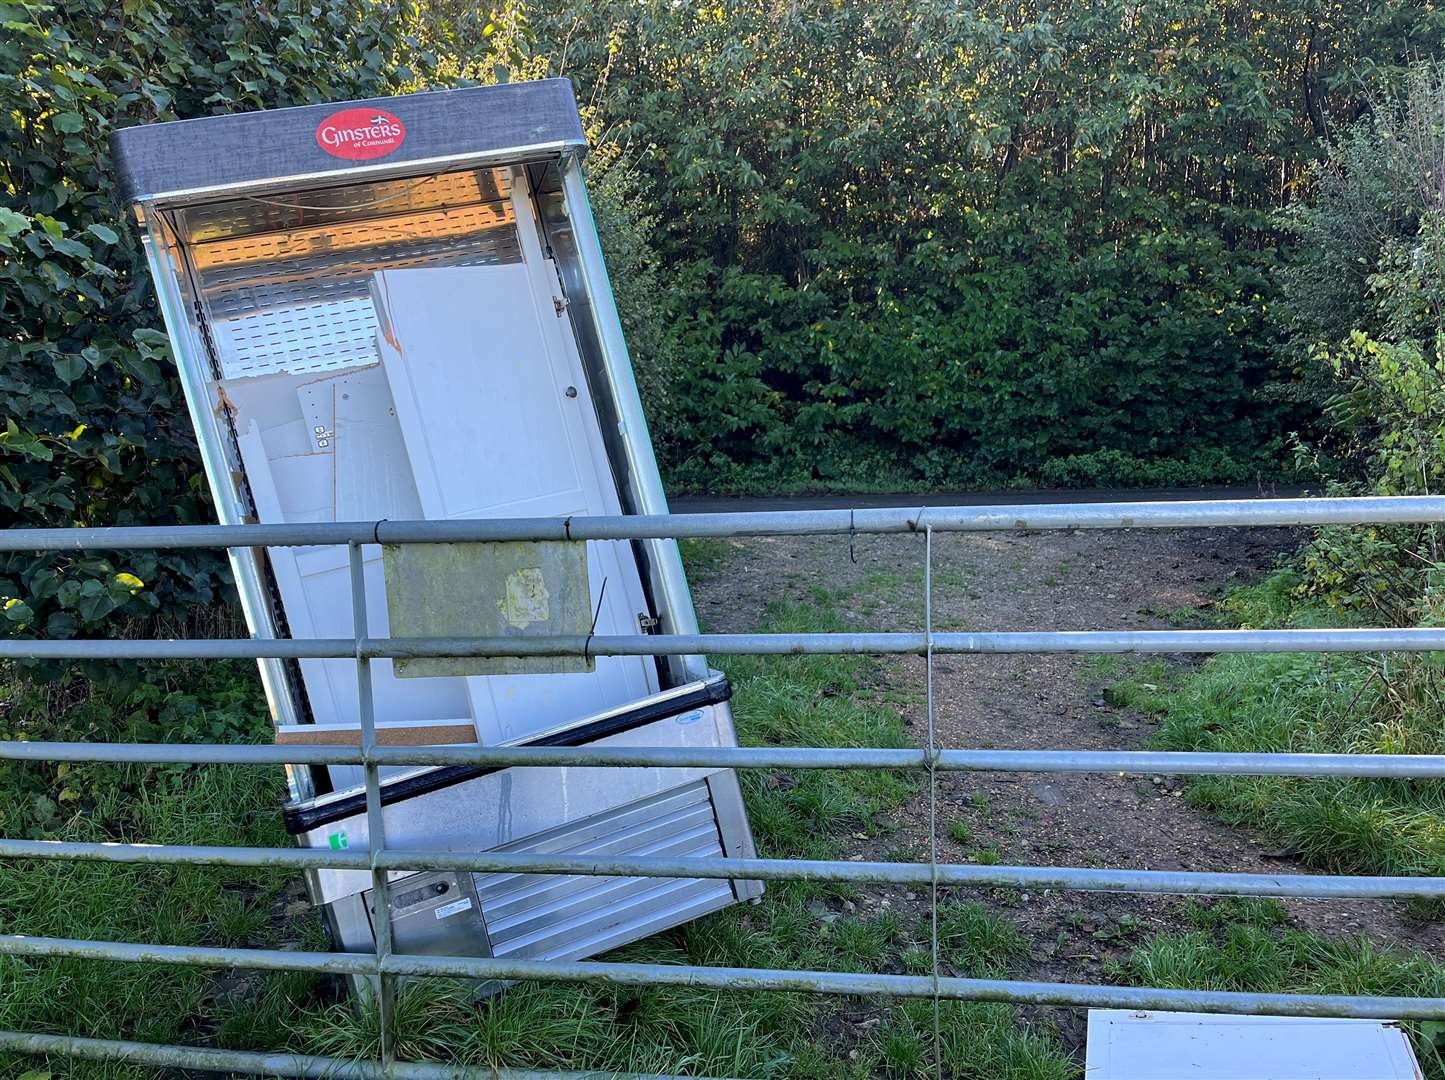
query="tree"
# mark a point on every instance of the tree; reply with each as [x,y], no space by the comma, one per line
[94,432]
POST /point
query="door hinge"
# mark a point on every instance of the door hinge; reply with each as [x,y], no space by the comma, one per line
[648,624]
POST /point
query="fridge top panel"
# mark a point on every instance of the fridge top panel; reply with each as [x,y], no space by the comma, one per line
[311,145]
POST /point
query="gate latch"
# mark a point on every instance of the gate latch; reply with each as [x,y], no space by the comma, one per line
[648,624]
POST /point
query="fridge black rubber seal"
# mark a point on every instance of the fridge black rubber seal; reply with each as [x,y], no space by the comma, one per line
[304,817]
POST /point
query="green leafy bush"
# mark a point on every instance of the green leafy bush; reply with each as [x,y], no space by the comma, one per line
[1366,289]
[94,427]
[961,245]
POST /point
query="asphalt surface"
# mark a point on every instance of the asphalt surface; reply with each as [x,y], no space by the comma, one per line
[704,504]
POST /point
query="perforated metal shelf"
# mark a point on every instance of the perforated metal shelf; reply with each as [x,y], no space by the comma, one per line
[295,299]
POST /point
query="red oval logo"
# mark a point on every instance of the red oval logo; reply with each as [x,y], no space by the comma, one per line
[360,134]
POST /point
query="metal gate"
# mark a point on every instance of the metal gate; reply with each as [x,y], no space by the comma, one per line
[385,965]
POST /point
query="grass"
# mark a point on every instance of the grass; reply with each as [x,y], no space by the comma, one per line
[176,905]
[813,701]
[1317,704]
[1247,945]
[977,1039]
[825,701]
[707,554]
[1301,703]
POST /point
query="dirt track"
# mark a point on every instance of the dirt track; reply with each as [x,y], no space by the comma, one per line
[1021,581]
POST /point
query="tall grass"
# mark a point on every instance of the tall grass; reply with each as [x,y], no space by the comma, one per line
[184,905]
[1311,703]
[823,701]
[1247,945]
[1307,703]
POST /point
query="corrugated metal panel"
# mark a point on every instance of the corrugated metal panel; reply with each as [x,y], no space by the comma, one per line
[344,205]
[561,916]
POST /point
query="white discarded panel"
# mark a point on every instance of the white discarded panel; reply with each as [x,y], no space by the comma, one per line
[372,477]
[1146,1045]
[477,379]
[360,474]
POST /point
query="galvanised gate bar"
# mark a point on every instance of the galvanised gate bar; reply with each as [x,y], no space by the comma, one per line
[383,966]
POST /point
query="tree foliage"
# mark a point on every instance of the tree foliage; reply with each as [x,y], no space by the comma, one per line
[94,427]
[855,244]
[1366,292]
[963,243]
[1366,287]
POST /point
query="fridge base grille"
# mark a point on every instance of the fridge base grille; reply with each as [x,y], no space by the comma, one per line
[567,917]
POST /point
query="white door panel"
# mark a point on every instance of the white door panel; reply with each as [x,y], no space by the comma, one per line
[477,379]
[481,406]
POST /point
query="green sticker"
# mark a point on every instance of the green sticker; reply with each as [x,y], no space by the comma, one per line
[338,840]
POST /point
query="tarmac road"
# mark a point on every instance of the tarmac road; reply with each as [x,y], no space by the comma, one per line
[704,504]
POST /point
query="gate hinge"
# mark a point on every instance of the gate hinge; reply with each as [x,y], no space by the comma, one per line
[560,303]
[648,624]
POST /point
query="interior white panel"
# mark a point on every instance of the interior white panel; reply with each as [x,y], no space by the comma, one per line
[478,409]
[373,479]
[476,377]
[314,583]
[304,486]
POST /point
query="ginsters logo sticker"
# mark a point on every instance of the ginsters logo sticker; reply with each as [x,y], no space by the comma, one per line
[360,134]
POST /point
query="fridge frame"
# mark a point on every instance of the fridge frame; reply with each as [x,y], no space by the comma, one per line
[534,131]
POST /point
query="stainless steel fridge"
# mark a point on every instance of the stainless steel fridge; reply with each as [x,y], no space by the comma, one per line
[398,309]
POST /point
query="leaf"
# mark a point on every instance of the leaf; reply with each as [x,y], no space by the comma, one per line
[69,367]
[94,608]
[130,581]
[67,122]
[62,624]
[104,232]
[151,338]
[70,247]
[44,809]
[17,611]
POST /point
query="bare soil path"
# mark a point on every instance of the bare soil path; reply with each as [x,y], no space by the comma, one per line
[1020,581]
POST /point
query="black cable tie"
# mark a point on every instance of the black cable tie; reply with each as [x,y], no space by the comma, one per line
[376,531]
[852,536]
[567,530]
[592,630]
